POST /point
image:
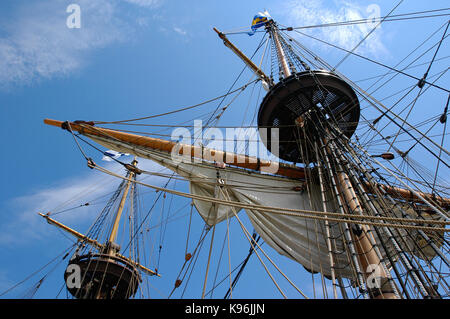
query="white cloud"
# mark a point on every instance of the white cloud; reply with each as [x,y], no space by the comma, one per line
[179,31]
[67,193]
[35,42]
[38,44]
[309,13]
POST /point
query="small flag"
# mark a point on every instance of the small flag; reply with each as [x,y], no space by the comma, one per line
[259,20]
[110,154]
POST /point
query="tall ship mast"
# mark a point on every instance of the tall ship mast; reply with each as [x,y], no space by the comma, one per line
[349,219]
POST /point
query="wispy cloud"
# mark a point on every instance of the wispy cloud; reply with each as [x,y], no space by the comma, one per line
[25,225]
[179,31]
[309,13]
[36,44]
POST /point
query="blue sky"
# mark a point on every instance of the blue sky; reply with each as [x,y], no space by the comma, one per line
[133,58]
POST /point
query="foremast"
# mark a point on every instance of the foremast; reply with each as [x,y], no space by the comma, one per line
[106,274]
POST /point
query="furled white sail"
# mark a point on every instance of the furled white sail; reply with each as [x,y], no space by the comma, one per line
[296,237]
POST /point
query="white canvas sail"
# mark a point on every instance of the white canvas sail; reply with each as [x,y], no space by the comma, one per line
[298,238]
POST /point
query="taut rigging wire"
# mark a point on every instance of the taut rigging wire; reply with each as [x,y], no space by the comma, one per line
[397,17]
[365,37]
[372,60]
[178,110]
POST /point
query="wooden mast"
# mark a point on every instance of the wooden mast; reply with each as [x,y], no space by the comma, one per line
[115,227]
[244,58]
[368,259]
[280,52]
[106,274]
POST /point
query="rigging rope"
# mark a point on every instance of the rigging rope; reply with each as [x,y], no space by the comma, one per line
[365,37]
[243,264]
[64,254]
[385,18]
[373,61]
[397,17]
[178,110]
